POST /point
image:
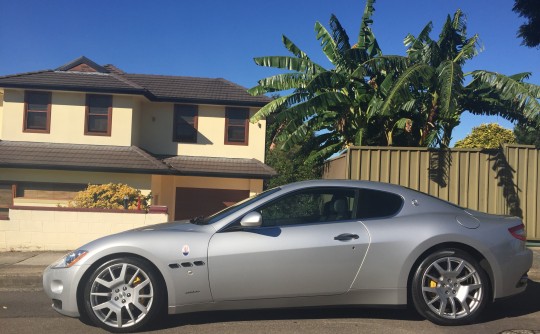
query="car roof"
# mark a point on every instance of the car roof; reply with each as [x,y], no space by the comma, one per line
[349,183]
[404,192]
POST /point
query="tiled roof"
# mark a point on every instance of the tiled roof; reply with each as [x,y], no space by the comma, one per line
[123,159]
[127,159]
[82,61]
[109,79]
[212,166]
[72,81]
[191,89]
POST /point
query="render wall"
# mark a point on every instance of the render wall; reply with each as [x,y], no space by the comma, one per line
[157,133]
[67,120]
[1,112]
[40,229]
[135,121]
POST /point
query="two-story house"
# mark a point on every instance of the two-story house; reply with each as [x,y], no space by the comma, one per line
[187,140]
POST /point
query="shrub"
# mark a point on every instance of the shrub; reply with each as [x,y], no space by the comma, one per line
[110,196]
[487,136]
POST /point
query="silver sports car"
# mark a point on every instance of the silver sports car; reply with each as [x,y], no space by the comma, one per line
[312,243]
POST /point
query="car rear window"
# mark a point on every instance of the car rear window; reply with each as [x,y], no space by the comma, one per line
[378,204]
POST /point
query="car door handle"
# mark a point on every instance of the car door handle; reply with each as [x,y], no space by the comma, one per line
[346,236]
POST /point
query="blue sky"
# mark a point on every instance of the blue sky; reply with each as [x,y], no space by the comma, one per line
[220,38]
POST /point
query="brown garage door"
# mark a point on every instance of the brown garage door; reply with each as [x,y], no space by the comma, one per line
[193,202]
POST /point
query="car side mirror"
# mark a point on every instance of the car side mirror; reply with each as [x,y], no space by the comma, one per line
[252,219]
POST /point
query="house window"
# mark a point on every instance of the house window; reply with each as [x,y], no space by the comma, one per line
[236,126]
[37,112]
[98,115]
[185,123]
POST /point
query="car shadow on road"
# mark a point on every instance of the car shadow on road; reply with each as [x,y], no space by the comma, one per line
[201,318]
[525,303]
[522,304]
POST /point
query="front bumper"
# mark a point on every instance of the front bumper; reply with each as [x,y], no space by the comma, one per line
[60,284]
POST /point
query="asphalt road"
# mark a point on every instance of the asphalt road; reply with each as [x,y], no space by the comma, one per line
[29,312]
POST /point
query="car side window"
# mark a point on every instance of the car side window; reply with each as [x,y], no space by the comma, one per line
[374,204]
[315,205]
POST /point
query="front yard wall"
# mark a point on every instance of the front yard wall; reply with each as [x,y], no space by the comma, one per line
[39,229]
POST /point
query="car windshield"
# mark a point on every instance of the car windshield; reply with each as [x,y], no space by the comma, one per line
[231,209]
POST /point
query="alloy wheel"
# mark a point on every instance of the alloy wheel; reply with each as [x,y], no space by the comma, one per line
[452,288]
[121,295]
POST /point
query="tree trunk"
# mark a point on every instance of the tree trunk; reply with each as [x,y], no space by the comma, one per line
[429,124]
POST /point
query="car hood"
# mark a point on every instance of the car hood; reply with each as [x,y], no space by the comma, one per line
[141,235]
[152,242]
[181,225]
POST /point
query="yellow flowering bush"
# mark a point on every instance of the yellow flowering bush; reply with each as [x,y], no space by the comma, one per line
[487,136]
[110,196]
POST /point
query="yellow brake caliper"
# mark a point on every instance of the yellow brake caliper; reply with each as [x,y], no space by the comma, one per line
[136,281]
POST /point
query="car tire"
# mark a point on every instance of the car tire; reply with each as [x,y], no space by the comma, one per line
[450,288]
[123,295]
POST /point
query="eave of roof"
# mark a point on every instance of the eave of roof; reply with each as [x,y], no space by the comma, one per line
[124,159]
[223,167]
[87,169]
[157,88]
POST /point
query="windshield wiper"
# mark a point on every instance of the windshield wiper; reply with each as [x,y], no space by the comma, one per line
[199,220]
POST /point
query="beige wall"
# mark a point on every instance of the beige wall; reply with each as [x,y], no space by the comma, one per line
[67,120]
[164,186]
[157,132]
[135,121]
[65,230]
[1,111]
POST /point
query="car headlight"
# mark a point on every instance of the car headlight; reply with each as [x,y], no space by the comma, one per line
[70,259]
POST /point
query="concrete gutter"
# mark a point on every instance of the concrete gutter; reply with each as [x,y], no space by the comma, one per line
[24,270]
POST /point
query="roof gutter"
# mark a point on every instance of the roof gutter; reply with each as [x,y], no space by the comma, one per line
[151,97]
[90,169]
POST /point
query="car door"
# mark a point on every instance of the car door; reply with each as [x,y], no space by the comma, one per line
[309,244]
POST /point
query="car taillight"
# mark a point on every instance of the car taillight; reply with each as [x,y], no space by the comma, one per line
[518,232]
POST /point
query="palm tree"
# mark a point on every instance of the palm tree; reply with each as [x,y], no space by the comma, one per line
[338,104]
[433,86]
[530,30]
